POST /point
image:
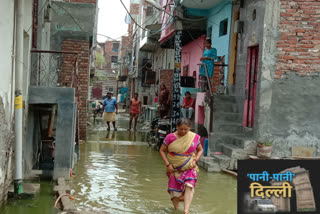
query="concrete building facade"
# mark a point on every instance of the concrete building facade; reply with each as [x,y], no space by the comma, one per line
[8,65]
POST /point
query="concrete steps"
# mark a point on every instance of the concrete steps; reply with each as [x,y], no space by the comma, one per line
[226,117]
[248,144]
[222,160]
[224,98]
[218,139]
[228,136]
[230,127]
[209,164]
[225,107]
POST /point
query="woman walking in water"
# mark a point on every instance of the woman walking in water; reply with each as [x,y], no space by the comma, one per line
[184,150]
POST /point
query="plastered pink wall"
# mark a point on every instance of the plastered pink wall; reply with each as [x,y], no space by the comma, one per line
[199,115]
[191,54]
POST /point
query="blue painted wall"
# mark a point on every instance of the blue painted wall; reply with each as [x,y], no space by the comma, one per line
[217,14]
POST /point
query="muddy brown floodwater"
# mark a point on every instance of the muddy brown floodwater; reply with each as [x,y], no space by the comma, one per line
[118,172]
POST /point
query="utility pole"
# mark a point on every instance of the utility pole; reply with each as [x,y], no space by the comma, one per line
[177,70]
[18,101]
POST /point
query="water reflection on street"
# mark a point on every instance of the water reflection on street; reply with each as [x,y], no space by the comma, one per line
[118,172]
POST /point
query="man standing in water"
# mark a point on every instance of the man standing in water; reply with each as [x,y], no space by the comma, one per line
[135,106]
[109,107]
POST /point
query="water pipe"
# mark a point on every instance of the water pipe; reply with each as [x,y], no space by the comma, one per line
[18,101]
[71,197]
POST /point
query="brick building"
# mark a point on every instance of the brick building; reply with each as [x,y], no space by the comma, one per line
[277,73]
[82,48]
[111,53]
[63,83]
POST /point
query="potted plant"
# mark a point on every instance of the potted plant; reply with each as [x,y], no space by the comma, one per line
[264,149]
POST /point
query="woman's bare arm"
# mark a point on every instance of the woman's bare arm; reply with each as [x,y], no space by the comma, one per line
[199,152]
[163,156]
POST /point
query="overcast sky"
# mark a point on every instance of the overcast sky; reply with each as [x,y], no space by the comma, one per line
[111,19]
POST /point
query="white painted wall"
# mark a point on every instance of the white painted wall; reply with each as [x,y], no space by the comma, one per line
[27,47]
[6,36]
[7,51]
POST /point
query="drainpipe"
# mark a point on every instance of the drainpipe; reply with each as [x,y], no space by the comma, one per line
[18,97]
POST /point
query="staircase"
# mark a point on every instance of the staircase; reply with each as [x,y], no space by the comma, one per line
[228,136]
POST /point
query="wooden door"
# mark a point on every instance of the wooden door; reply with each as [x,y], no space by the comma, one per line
[251,86]
[97,93]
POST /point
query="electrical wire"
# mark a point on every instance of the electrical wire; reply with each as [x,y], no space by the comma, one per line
[107,37]
[146,21]
[132,17]
[140,25]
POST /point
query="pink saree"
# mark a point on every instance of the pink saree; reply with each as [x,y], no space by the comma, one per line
[181,153]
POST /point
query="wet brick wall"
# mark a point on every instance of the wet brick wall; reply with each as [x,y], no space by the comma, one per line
[82,48]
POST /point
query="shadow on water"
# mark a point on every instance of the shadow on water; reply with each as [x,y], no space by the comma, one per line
[118,172]
[42,203]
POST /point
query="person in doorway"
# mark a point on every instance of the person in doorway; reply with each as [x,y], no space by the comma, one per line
[164,101]
[209,55]
[187,106]
[184,151]
[110,108]
[135,110]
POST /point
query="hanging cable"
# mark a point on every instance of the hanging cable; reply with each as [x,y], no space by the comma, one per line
[132,17]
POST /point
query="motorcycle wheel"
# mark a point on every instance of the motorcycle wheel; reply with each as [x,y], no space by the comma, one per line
[149,138]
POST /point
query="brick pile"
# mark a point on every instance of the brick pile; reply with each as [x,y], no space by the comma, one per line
[299,44]
[82,48]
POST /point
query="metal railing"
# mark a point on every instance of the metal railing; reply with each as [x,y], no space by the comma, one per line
[220,82]
[53,69]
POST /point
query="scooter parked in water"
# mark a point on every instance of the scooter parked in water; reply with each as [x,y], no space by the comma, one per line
[163,131]
[159,130]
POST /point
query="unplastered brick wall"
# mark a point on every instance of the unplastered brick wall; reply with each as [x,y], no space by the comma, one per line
[166,77]
[82,48]
[299,44]
[108,46]
[134,11]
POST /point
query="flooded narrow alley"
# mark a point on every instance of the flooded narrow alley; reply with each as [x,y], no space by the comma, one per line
[118,172]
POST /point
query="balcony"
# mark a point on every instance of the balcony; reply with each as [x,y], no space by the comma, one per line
[123,72]
[149,42]
[153,21]
[54,69]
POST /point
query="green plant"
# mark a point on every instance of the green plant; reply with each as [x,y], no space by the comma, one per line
[100,60]
[265,143]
